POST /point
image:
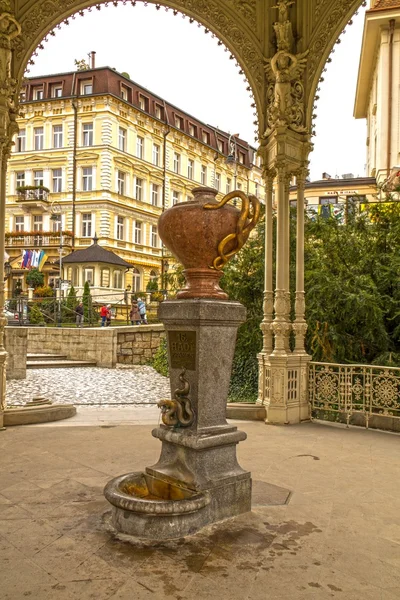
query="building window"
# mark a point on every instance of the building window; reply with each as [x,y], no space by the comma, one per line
[56,91]
[86,224]
[156,154]
[203,175]
[38,93]
[139,147]
[154,236]
[87,179]
[218,181]
[158,111]
[87,129]
[121,183]
[135,280]
[138,232]
[179,122]
[206,137]
[155,193]
[57,181]
[38,178]
[124,93]
[256,191]
[19,223]
[220,146]
[175,197]
[21,140]
[177,162]
[120,228]
[239,186]
[75,276]
[37,222]
[86,88]
[118,280]
[105,278]
[228,185]
[139,189]
[242,158]
[20,179]
[57,136]
[192,130]
[88,275]
[38,134]
[143,103]
[122,139]
[190,169]
[56,223]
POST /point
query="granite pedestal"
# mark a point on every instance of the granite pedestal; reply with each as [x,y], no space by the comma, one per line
[197,480]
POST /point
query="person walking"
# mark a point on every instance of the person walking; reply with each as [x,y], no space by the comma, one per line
[79,314]
[103,315]
[134,314]
[108,323]
[142,310]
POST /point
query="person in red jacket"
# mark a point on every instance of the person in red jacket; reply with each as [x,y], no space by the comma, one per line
[103,314]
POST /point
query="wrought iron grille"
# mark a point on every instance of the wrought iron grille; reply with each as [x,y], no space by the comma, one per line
[341,391]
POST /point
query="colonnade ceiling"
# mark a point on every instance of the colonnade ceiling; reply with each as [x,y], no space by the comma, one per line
[246,27]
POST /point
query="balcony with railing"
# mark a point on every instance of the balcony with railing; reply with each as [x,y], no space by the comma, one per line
[37,239]
[33,196]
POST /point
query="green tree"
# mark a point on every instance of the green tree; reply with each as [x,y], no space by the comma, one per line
[70,305]
[35,315]
[35,278]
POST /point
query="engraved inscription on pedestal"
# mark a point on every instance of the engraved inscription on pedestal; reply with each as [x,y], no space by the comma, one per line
[182,350]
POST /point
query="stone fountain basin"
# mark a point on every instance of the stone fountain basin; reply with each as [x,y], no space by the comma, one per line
[142,493]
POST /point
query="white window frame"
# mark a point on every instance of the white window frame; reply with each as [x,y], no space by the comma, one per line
[38,179]
[38,93]
[139,189]
[136,280]
[87,225]
[138,232]
[203,175]
[19,224]
[140,147]
[177,162]
[218,181]
[57,136]
[87,134]
[155,194]
[156,155]
[120,228]
[38,136]
[21,141]
[122,135]
[190,168]
[37,222]
[57,180]
[118,285]
[228,185]
[86,88]
[88,275]
[154,236]
[87,179]
[20,179]
[56,222]
[175,197]
[121,182]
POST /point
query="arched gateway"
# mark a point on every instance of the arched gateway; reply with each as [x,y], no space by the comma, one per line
[281,46]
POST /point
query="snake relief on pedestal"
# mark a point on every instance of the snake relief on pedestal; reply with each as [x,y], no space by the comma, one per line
[178,412]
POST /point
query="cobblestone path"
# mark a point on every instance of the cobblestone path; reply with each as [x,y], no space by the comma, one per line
[91,386]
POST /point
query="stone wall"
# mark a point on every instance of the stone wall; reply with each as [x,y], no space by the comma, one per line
[16,344]
[138,345]
[107,346]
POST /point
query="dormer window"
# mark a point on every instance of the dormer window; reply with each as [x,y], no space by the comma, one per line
[38,93]
[192,130]
[206,137]
[143,103]
[86,87]
[56,90]
[179,123]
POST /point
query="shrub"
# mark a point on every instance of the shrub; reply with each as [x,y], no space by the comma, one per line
[160,359]
[35,315]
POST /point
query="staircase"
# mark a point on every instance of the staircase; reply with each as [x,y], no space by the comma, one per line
[55,361]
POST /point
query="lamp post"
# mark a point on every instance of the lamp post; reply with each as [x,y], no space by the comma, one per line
[56,215]
[231,159]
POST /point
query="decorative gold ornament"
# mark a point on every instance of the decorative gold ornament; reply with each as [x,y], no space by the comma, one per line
[248,219]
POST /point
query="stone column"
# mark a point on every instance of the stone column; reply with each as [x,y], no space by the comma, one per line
[9,29]
[281,326]
[300,325]
[268,306]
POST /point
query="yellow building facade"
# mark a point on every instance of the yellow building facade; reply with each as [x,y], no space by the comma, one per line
[98,155]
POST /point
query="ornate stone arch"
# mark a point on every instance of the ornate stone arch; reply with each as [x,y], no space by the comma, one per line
[332,19]
[233,22]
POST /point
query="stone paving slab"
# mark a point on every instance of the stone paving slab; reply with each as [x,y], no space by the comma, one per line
[91,386]
[338,537]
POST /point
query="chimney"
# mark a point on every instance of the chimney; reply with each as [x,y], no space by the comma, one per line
[93,59]
[326,176]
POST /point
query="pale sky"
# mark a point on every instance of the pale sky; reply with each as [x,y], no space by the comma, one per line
[179,62]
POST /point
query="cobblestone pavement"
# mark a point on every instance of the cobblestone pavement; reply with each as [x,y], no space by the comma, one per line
[91,386]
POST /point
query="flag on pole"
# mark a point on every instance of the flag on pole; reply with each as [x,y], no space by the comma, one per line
[42,260]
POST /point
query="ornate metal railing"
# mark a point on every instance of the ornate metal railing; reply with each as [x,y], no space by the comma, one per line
[37,240]
[364,392]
